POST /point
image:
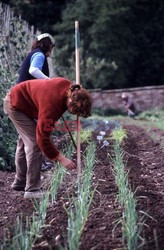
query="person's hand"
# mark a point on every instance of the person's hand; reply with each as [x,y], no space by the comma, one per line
[67,163]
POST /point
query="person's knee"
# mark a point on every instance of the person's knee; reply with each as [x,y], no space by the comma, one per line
[32,148]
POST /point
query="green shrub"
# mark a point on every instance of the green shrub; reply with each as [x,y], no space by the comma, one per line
[15,40]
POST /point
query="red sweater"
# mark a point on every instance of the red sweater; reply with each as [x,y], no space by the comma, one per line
[42,99]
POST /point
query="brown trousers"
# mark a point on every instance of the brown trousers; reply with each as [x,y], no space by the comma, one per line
[28,157]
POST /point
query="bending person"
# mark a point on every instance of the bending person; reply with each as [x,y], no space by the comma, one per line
[129,105]
[35,99]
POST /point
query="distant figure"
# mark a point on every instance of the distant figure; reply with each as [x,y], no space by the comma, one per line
[129,105]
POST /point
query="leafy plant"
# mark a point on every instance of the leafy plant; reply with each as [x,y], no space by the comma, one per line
[119,135]
[15,40]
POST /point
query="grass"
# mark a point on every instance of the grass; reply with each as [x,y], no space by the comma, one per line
[152,118]
[152,115]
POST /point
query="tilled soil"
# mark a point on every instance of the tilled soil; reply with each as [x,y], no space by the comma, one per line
[146,165]
[144,162]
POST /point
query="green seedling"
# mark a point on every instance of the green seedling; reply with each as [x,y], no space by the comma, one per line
[79,208]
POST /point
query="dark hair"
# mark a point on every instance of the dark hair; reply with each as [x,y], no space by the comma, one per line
[44,44]
[79,101]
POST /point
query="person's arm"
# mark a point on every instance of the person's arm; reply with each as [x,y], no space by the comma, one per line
[47,147]
[67,163]
[38,74]
[36,65]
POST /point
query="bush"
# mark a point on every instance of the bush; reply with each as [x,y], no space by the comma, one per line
[15,37]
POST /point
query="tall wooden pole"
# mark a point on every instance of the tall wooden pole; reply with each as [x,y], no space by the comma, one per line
[77,62]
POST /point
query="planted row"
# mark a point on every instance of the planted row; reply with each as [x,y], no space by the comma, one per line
[131,224]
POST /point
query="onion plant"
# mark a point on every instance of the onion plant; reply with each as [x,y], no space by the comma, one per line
[79,207]
[126,198]
[129,222]
[26,233]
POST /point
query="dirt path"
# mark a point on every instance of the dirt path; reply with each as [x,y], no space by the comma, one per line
[145,164]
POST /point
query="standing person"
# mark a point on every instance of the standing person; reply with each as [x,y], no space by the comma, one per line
[37,99]
[129,105]
[35,66]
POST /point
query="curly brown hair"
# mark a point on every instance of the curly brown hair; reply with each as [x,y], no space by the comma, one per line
[79,101]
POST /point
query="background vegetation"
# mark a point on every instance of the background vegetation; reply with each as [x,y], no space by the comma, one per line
[121,46]
[121,40]
[15,37]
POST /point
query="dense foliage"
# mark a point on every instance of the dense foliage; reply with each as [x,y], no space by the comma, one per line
[41,14]
[15,37]
[121,40]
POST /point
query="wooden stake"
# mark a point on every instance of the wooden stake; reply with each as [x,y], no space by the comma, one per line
[77,61]
[77,52]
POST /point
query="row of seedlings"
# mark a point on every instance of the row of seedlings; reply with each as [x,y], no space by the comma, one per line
[131,226]
[78,210]
[27,233]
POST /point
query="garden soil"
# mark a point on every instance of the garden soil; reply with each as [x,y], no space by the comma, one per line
[144,162]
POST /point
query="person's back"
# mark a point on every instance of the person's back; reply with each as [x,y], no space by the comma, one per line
[36,98]
[58,95]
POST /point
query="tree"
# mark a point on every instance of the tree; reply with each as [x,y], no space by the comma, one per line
[148,24]
[98,61]
[41,14]
[121,40]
